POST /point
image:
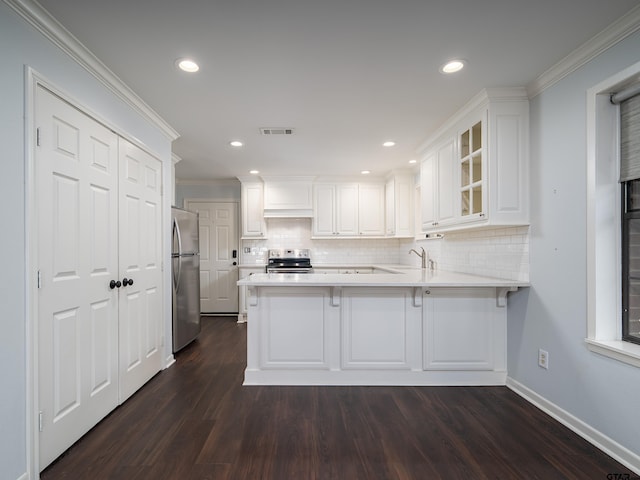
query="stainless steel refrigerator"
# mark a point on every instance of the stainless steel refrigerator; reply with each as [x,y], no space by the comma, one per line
[185,259]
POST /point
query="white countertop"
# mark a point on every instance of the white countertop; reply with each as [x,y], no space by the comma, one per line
[405,277]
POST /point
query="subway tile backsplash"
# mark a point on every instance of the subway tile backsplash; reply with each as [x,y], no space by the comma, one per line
[296,233]
[499,252]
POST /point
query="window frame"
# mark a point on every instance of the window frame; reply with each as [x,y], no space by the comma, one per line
[604,222]
[627,216]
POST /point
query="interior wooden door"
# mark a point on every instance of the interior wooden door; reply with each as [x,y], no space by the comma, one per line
[140,261]
[218,266]
[76,175]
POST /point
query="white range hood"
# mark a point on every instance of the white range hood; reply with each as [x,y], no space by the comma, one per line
[288,197]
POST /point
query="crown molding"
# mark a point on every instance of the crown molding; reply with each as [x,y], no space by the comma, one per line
[614,33]
[483,97]
[55,32]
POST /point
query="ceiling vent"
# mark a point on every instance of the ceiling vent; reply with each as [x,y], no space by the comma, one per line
[276,131]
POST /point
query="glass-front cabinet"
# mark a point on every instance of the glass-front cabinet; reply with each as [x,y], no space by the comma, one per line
[471,172]
[481,178]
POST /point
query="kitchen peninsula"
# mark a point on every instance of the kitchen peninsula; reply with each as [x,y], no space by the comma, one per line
[404,326]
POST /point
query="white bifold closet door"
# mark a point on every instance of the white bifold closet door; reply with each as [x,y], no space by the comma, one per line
[98,220]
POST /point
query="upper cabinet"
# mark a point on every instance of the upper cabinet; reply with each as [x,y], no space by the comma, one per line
[437,186]
[399,205]
[288,197]
[252,206]
[474,170]
[348,209]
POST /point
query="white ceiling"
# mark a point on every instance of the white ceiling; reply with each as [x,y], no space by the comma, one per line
[345,74]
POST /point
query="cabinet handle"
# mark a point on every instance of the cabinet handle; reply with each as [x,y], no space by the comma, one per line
[427,292]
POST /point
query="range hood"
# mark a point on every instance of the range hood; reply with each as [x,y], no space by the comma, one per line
[288,197]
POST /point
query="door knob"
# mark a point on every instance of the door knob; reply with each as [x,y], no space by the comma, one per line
[113,284]
[127,281]
[234,263]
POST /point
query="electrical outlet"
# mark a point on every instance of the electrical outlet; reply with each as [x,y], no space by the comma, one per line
[543,359]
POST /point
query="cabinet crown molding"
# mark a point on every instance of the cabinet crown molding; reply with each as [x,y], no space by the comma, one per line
[482,98]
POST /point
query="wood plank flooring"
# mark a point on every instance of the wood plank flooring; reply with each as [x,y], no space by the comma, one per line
[195,420]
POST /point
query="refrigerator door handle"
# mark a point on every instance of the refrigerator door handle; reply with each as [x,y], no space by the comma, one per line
[176,230]
[176,276]
[177,273]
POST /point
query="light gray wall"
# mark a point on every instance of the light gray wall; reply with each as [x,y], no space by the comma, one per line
[223,191]
[21,45]
[552,314]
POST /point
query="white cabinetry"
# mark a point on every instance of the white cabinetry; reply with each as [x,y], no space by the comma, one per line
[379,332]
[371,209]
[288,197]
[437,186]
[376,335]
[474,170]
[399,206]
[348,210]
[294,327]
[252,200]
[463,329]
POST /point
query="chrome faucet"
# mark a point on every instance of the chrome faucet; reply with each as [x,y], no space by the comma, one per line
[423,256]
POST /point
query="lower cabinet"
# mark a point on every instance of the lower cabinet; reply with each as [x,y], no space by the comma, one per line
[463,329]
[294,330]
[381,331]
[324,335]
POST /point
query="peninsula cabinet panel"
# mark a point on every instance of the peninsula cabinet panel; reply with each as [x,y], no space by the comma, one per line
[294,328]
[380,331]
[463,329]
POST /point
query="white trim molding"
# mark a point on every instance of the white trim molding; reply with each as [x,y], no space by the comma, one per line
[609,446]
[613,34]
[604,249]
[53,30]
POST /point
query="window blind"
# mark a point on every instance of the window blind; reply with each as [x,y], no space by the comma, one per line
[629,134]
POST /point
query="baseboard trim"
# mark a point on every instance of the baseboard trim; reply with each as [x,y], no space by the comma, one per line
[609,446]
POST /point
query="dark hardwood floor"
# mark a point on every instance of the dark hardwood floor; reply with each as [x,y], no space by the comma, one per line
[195,420]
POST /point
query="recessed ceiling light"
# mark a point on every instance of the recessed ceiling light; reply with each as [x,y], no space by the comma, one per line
[236,143]
[254,172]
[187,65]
[365,172]
[452,66]
[388,144]
[413,161]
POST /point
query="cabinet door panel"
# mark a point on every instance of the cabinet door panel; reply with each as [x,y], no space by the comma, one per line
[371,209]
[252,210]
[294,328]
[347,209]
[428,170]
[459,329]
[446,191]
[378,332]
[324,210]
